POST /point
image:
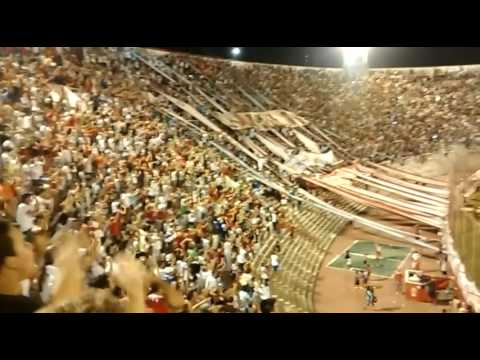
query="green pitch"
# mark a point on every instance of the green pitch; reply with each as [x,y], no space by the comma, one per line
[391,258]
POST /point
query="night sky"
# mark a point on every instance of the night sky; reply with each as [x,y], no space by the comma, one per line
[331,56]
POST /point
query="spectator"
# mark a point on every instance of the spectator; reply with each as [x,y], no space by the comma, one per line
[371,299]
[267,303]
[378,252]
[358,277]
[275,263]
[16,264]
[348,259]
[416,260]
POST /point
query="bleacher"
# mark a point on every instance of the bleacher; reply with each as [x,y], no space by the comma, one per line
[301,256]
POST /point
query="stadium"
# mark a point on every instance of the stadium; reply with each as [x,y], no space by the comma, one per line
[141,180]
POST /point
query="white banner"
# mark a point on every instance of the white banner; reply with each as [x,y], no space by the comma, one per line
[306,159]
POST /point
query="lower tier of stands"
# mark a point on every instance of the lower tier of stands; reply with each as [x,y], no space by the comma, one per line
[301,255]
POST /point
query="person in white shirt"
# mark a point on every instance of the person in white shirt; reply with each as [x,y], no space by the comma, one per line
[162,202]
[26,122]
[154,189]
[154,143]
[233,268]
[101,143]
[444,266]
[182,272]
[241,258]
[266,301]
[115,206]
[205,244]
[263,291]
[97,270]
[244,301]
[416,260]
[378,252]
[192,218]
[246,279]
[169,238]
[167,273]
[111,144]
[25,214]
[273,216]
[51,274]
[142,234]
[108,264]
[37,170]
[275,262]
[210,281]
[201,278]
[261,163]
[143,245]
[125,198]
[215,241]
[88,164]
[200,212]
[227,252]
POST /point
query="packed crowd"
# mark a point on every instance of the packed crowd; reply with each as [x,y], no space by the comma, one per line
[373,117]
[100,192]
[93,171]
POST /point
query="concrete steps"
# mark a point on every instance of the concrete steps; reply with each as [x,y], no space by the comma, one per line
[301,256]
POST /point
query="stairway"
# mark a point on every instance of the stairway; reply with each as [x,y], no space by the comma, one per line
[301,256]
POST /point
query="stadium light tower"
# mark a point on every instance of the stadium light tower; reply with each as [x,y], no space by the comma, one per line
[355,59]
[236,51]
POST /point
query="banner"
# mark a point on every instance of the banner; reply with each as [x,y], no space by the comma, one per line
[304,160]
[261,120]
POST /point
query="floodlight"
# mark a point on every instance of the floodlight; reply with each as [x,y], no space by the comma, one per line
[355,55]
[236,51]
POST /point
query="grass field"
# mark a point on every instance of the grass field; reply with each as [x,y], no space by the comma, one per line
[392,256]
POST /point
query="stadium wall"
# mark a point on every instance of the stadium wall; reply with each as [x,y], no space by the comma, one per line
[462,232]
[469,290]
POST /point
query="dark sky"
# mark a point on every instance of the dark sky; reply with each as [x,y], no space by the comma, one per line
[331,56]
